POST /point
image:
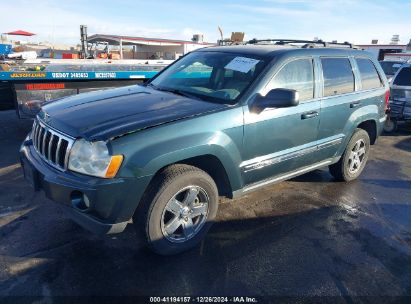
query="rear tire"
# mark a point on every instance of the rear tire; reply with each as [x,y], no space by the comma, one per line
[390,126]
[177,209]
[355,156]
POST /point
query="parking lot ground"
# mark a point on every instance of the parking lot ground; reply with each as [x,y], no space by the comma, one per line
[311,236]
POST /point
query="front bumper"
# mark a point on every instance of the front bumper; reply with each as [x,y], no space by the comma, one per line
[112,202]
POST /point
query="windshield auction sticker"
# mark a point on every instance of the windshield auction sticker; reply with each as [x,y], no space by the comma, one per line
[242,64]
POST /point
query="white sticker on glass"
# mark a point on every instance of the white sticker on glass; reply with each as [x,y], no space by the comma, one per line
[242,64]
[396,65]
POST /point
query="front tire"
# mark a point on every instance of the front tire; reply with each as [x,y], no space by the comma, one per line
[178,208]
[355,156]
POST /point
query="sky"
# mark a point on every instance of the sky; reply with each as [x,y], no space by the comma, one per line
[355,21]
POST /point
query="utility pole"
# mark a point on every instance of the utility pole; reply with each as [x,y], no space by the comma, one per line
[83,38]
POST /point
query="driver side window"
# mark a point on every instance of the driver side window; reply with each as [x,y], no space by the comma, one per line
[296,75]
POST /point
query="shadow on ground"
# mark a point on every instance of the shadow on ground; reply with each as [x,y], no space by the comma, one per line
[324,251]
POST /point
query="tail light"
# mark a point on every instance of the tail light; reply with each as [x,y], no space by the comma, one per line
[387,99]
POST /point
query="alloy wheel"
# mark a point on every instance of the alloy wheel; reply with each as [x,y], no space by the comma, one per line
[356,157]
[185,214]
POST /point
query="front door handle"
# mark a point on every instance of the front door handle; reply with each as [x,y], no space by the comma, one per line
[309,115]
[355,104]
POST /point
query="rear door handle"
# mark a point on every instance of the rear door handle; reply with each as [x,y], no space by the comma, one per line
[309,115]
[355,104]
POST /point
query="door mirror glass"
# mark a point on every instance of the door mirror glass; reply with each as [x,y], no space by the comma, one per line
[276,98]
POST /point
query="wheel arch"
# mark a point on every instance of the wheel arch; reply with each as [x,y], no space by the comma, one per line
[213,166]
[366,118]
[370,126]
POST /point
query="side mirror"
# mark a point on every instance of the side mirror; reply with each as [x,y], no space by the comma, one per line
[276,98]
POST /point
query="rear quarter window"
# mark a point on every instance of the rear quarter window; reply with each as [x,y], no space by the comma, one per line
[338,76]
[403,78]
[369,75]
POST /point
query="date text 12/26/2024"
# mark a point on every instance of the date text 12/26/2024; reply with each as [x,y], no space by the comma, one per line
[203,300]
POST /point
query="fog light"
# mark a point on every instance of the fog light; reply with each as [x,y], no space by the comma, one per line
[80,201]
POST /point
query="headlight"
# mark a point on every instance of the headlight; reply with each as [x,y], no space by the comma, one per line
[93,158]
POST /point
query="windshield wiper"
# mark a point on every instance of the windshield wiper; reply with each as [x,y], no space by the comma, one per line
[151,85]
[177,92]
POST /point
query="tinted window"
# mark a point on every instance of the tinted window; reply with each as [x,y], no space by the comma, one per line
[404,77]
[196,70]
[369,75]
[297,75]
[390,67]
[338,76]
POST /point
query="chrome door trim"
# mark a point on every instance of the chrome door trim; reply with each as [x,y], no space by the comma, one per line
[287,175]
[268,160]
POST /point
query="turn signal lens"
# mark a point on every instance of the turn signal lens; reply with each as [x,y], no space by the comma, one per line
[114,165]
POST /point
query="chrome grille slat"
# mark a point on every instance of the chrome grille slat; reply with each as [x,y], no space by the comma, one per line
[43,138]
[38,139]
[33,131]
[67,154]
[50,143]
[58,151]
[43,142]
[36,133]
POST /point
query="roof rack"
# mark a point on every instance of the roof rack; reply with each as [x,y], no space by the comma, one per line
[307,43]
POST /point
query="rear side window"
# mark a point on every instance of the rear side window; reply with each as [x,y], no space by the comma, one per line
[296,75]
[369,75]
[404,77]
[338,76]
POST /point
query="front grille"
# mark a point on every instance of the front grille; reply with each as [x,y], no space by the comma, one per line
[53,146]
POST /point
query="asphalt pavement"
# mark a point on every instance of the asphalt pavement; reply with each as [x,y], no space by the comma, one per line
[308,238]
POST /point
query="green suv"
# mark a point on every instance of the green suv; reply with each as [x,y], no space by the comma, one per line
[220,121]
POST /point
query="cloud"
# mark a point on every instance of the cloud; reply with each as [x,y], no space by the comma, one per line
[344,20]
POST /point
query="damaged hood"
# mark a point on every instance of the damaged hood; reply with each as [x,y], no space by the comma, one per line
[101,115]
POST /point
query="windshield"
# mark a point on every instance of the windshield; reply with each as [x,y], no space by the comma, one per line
[212,76]
[390,67]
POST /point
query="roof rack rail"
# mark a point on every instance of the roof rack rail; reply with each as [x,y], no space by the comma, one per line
[307,43]
[281,41]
